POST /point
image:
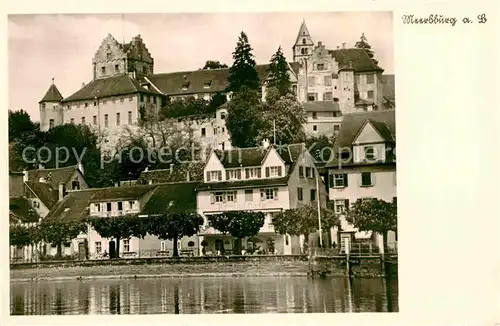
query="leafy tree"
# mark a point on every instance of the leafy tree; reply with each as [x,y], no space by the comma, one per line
[244,118]
[239,224]
[120,227]
[20,124]
[211,64]
[363,44]
[58,232]
[373,215]
[321,148]
[20,235]
[243,72]
[173,226]
[303,220]
[278,76]
[288,116]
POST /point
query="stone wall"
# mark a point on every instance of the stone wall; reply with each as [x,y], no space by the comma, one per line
[366,266]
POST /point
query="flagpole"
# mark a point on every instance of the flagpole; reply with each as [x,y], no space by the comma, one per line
[319,207]
[274,132]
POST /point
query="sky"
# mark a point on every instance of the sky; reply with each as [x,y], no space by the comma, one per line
[61,46]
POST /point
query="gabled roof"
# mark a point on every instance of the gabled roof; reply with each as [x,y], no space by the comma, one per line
[20,209]
[179,174]
[74,206]
[110,86]
[202,81]
[52,95]
[388,87]
[322,106]
[56,175]
[303,32]
[360,61]
[45,192]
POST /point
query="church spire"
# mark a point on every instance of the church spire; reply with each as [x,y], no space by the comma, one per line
[52,94]
[303,43]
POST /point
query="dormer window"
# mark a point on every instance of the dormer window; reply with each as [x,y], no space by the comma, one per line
[207,84]
[252,173]
[75,185]
[320,66]
[185,85]
[233,174]
[214,175]
[273,171]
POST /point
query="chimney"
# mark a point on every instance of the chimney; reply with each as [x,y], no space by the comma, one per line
[150,181]
[343,45]
[80,167]
[61,191]
[25,176]
[117,184]
[171,168]
[265,143]
[188,177]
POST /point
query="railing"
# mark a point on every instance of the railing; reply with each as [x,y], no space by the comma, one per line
[356,248]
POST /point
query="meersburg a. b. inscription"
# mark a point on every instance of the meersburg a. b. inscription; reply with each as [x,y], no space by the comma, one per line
[436,19]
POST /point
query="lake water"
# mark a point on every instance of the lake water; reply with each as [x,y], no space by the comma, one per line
[204,295]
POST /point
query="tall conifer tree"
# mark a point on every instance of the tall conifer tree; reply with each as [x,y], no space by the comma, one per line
[363,44]
[243,72]
[278,76]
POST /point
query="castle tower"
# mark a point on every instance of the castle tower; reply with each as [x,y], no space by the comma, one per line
[113,58]
[304,44]
[346,88]
[51,113]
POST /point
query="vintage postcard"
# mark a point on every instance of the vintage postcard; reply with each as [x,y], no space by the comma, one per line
[213,162]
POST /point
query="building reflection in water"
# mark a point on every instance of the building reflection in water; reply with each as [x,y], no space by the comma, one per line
[205,295]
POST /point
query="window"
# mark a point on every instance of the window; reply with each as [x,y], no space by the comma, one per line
[51,123]
[72,121]
[369,153]
[203,132]
[219,197]
[162,246]
[294,89]
[122,99]
[312,81]
[103,70]
[118,118]
[120,206]
[308,172]
[142,97]
[336,127]
[327,96]
[130,98]
[370,95]
[273,171]
[320,66]
[117,68]
[223,116]
[75,185]
[126,245]
[98,247]
[98,207]
[86,104]
[315,115]
[251,173]
[105,121]
[366,179]
[108,207]
[94,118]
[130,204]
[223,130]
[269,193]
[207,84]
[311,97]
[231,196]
[338,180]
[301,171]
[370,79]
[299,194]
[341,205]
[43,105]
[304,41]
[83,120]
[214,175]
[313,194]
[233,174]
[328,80]
[303,51]
[249,195]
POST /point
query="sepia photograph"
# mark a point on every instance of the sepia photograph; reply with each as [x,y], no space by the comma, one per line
[202,163]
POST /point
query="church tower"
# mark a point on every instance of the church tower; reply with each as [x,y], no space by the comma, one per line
[50,107]
[304,45]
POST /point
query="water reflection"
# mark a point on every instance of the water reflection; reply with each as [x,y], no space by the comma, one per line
[205,295]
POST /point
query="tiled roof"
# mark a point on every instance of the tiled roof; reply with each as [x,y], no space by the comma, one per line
[176,197]
[194,82]
[20,209]
[384,121]
[45,192]
[179,174]
[360,61]
[52,95]
[56,175]
[121,193]
[388,87]
[110,86]
[244,184]
[74,206]
[322,106]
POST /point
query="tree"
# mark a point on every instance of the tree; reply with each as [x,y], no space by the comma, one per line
[243,72]
[374,215]
[212,64]
[120,227]
[20,124]
[239,224]
[303,220]
[244,119]
[20,235]
[173,226]
[321,148]
[57,232]
[363,44]
[288,116]
[278,76]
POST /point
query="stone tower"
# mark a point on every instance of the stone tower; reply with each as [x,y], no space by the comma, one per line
[304,45]
[113,58]
[346,88]
[51,113]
